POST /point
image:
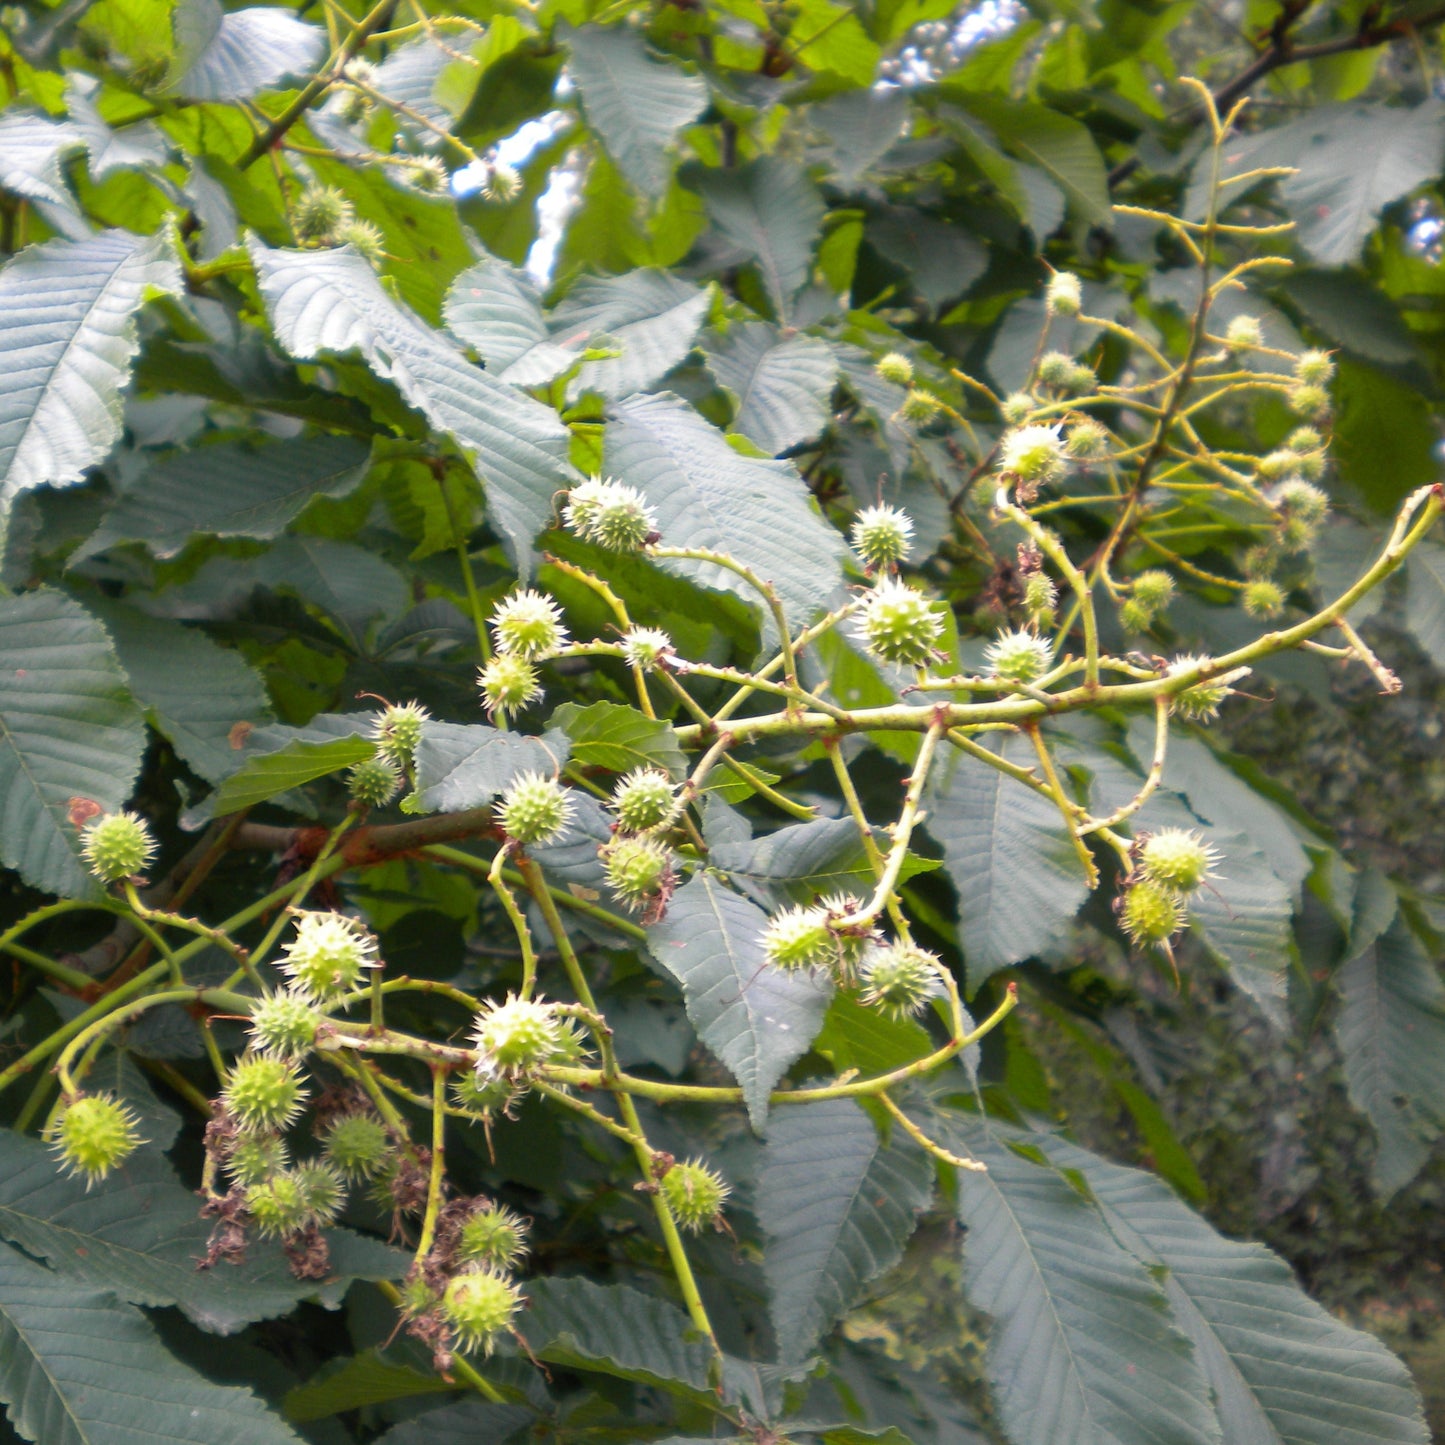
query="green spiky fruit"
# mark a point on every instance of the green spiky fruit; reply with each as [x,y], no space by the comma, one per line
[516,1037]
[508,683]
[528,624]
[364,238]
[646,647]
[358,1145]
[1308,401]
[534,810]
[263,1092]
[1151,912]
[1177,858]
[895,367]
[319,212]
[1274,465]
[882,536]
[255,1158]
[329,955]
[612,515]
[799,938]
[117,846]
[920,406]
[487,1096]
[1019,656]
[1304,439]
[1201,701]
[374,782]
[503,184]
[284,1024]
[493,1236]
[322,1190]
[1135,617]
[429,175]
[1017,407]
[899,980]
[645,801]
[1302,499]
[95,1133]
[1088,440]
[1154,589]
[1054,368]
[479,1306]
[898,624]
[277,1206]
[1065,294]
[1244,333]
[398,729]
[1315,368]
[638,870]
[1032,453]
[1080,380]
[417,1298]
[1263,599]
[694,1193]
[1041,597]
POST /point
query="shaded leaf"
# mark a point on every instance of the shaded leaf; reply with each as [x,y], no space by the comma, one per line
[32,148]
[858,127]
[277,759]
[1425,598]
[495,308]
[460,766]
[464,1424]
[365,1379]
[944,260]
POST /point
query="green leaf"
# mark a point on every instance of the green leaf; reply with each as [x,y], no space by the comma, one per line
[68,729]
[618,738]
[32,151]
[616,1331]
[944,260]
[1353,313]
[830,37]
[365,1379]
[194,692]
[855,1037]
[1082,1345]
[1425,598]
[650,316]
[67,340]
[860,126]
[141,1235]
[1283,1371]
[782,385]
[495,308]
[464,1424]
[233,56]
[837,1204]
[706,495]
[636,105]
[1016,874]
[77,1367]
[756,1019]
[231,490]
[330,302]
[1391,1034]
[289,766]
[460,766]
[767,211]
[1385,435]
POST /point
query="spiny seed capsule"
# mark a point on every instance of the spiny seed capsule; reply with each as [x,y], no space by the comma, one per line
[1135,617]
[1055,368]
[898,624]
[646,647]
[529,624]
[322,1190]
[1088,440]
[1315,368]
[363,238]
[1201,701]
[638,870]
[1276,464]
[645,801]
[1177,858]
[612,515]
[284,1024]
[1016,407]
[1065,294]
[398,729]
[508,683]
[694,1193]
[319,212]
[263,1092]
[255,1158]
[358,1145]
[1080,379]
[882,536]
[798,938]
[849,944]
[1244,333]
[486,1096]
[516,1036]
[117,846]
[374,782]
[429,175]
[417,1298]
[1041,597]
[899,980]
[479,1306]
[94,1134]
[1019,656]
[494,1236]
[1310,402]
[329,954]
[1302,499]
[920,405]
[276,1205]
[1151,912]
[1154,589]
[895,367]
[534,810]
[1304,439]
[503,184]
[1033,453]
[1263,599]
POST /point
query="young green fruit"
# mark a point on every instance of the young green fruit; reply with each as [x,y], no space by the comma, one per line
[508,683]
[1244,333]
[612,515]
[358,1145]
[503,184]
[374,782]
[882,536]
[516,1037]
[1019,656]
[397,730]
[493,1236]
[329,955]
[1032,453]
[1263,599]
[898,624]
[319,212]
[694,1193]
[255,1158]
[277,1205]
[899,979]
[638,869]
[284,1024]
[117,846]
[895,367]
[322,1190]
[528,624]
[1201,701]
[1177,858]
[1151,912]
[534,810]
[1065,294]
[479,1306]
[263,1092]
[95,1133]
[646,647]
[645,801]
[799,938]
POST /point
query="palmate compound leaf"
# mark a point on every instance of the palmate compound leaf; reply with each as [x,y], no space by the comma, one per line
[1082,1347]
[140,1235]
[1016,874]
[68,728]
[1282,1370]
[837,1204]
[756,1019]
[330,302]
[67,340]
[636,105]
[707,495]
[79,1367]
[783,384]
